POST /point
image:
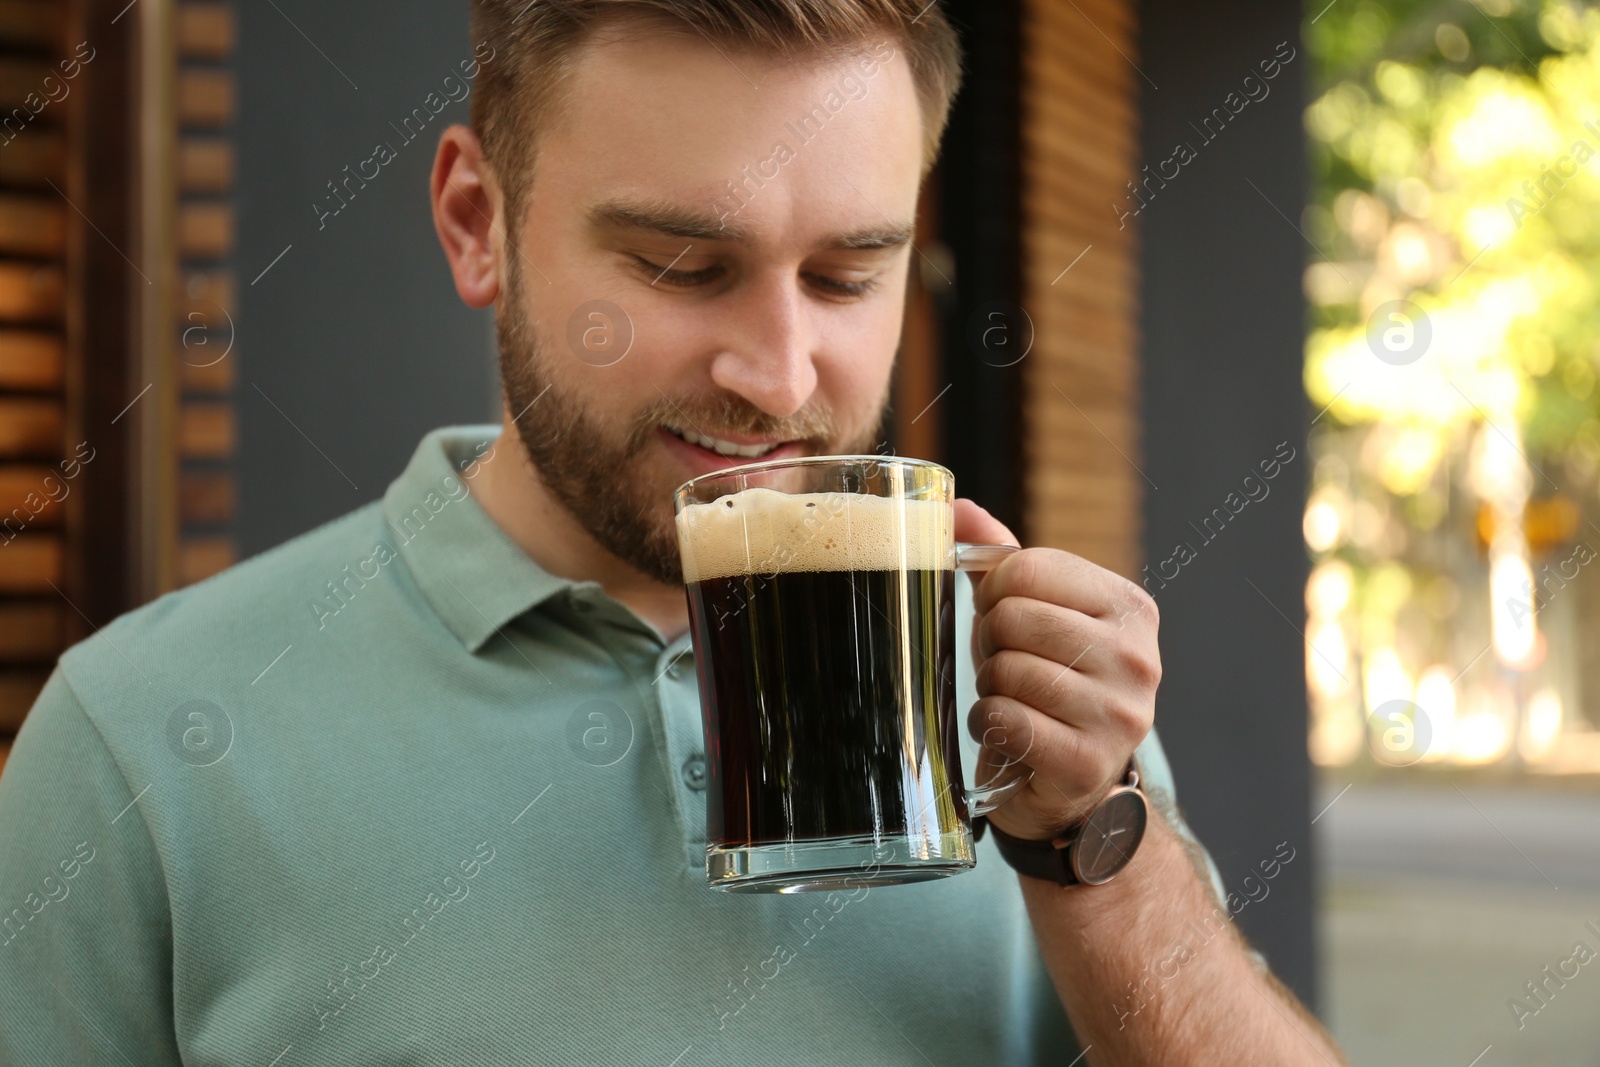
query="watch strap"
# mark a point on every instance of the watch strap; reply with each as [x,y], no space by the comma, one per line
[1051,859]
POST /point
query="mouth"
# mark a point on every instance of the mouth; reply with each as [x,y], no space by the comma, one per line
[723,446]
[704,453]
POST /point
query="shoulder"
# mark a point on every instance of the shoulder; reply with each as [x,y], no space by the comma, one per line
[203,636]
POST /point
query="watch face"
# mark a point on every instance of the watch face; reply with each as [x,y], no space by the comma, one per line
[1109,837]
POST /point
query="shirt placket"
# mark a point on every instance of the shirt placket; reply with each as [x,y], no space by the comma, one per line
[678,695]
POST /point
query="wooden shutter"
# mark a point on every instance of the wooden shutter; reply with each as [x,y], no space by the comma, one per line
[1081,396]
[116,300]
[36,523]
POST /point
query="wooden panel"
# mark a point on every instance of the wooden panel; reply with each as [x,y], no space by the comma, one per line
[1081,406]
[32,23]
[205,431]
[205,231]
[206,496]
[205,31]
[20,78]
[205,165]
[209,294]
[30,563]
[205,98]
[30,359]
[32,631]
[30,496]
[35,159]
[31,293]
[18,691]
[32,226]
[30,427]
[201,557]
[212,379]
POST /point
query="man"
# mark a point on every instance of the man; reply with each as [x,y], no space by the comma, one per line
[425,785]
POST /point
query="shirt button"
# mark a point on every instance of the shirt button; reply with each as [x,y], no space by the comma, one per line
[694,773]
[676,668]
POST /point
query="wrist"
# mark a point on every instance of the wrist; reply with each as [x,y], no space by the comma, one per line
[1088,852]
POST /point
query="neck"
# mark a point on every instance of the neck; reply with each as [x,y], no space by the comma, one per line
[510,490]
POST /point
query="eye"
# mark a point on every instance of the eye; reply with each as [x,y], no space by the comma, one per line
[663,273]
[838,288]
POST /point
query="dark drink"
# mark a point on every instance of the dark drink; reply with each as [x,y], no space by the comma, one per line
[824,629]
[825,712]
[822,604]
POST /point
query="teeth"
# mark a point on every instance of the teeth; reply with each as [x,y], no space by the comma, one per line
[721,447]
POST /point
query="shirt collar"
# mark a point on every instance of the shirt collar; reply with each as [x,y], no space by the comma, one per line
[472,574]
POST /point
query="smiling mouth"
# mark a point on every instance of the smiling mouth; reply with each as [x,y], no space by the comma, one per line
[721,447]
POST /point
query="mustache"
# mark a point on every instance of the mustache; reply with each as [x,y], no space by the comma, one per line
[725,413]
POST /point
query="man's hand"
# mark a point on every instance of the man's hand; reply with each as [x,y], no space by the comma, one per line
[1067,676]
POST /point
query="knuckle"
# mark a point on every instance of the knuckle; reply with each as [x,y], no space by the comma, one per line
[1021,622]
[1022,680]
[1144,602]
[1131,719]
[999,725]
[1025,567]
[1142,665]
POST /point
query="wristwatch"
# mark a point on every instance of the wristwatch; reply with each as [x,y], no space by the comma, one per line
[1091,852]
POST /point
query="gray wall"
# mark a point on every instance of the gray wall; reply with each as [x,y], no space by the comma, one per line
[1223,323]
[356,334]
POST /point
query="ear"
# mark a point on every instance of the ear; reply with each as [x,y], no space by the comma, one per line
[467,215]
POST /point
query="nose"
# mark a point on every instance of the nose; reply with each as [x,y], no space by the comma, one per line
[769,350]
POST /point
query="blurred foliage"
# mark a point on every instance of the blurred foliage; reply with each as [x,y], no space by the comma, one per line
[1453,351]
[1435,129]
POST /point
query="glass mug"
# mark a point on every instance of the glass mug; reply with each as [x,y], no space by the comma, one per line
[821,601]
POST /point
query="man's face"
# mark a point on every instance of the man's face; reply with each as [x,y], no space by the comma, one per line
[746,223]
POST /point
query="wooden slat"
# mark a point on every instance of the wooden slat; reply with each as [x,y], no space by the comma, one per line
[1079,145]
[30,292]
[201,557]
[32,23]
[213,379]
[18,691]
[30,563]
[206,98]
[30,496]
[34,160]
[205,31]
[19,78]
[32,631]
[205,231]
[209,294]
[32,226]
[206,497]
[30,427]
[205,165]
[206,431]
[31,359]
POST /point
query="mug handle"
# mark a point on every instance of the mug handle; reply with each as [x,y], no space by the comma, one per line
[984,797]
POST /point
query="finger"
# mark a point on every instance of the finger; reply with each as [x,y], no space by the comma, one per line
[975,525]
[1045,685]
[1048,630]
[1062,578]
[1021,733]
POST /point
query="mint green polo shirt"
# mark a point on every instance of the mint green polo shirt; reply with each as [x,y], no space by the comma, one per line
[392,794]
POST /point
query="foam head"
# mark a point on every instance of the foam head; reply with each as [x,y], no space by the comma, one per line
[763,531]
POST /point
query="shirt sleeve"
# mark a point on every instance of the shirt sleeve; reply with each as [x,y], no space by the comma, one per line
[85,937]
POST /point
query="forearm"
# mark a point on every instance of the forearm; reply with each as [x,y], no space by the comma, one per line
[1152,971]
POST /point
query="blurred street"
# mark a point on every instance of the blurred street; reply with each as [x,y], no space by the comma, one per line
[1439,904]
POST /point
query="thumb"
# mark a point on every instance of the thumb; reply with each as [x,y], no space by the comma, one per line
[979,527]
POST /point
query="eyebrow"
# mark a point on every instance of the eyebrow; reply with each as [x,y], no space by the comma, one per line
[690,224]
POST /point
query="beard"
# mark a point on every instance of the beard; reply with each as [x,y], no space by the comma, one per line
[600,471]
